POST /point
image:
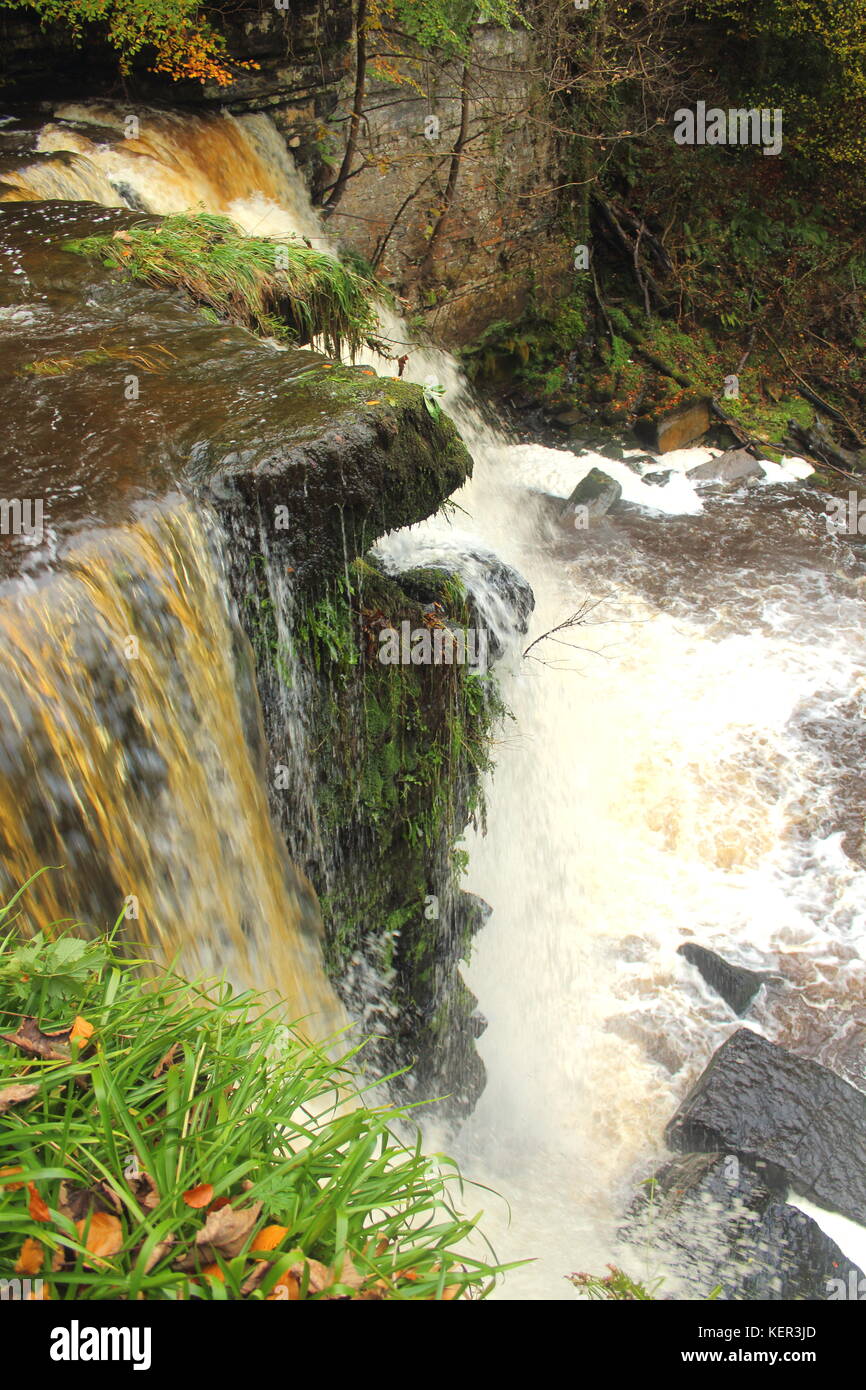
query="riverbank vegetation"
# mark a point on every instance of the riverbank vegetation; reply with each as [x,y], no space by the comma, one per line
[179,1141]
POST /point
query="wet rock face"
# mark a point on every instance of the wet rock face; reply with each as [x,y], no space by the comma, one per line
[762,1102]
[718,1220]
[128,393]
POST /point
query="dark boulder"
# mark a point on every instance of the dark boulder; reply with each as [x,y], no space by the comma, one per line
[737,985]
[729,467]
[594,495]
[717,1220]
[763,1102]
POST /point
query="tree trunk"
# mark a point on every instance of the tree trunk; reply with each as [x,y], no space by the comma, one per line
[357,107]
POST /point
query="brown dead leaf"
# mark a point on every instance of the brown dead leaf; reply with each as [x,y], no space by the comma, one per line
[101,1233]
[159,1252]
[198,1197]
[145,1191]
[112,1198]
[165,1062]
[14,1095]
[225,1232]
[319,1278]
[349,1275]
[38,1209]
[30,1257]
[373,1293]
[51,1047]
[76,1202]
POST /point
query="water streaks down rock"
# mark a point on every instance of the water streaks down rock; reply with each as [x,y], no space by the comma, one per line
[720,1221]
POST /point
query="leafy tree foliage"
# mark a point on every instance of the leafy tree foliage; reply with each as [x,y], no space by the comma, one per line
[177,33]
[807,57]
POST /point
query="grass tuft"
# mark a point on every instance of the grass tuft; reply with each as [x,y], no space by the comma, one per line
[167,1141]
[279,287]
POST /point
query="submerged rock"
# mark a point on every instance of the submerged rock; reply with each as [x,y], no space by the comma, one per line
[499,600]
[762,1102]
[729,467]
[717,1220]
[737,985]
[594,495]
[660,478]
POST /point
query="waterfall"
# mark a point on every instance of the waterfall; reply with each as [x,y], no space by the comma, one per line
[690,767]
[137,773]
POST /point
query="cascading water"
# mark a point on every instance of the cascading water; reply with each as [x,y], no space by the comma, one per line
[137,765]
[690,771]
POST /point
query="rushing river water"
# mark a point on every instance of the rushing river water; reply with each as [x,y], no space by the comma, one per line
[687,764]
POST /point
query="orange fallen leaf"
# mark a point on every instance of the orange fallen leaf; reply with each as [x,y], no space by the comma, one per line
[285,1290]
[218,1203]
[269,1238]
[30,1257]
[101,1234]
[214,1272]
[38,1209]
[373,402]
[81,1031]
[8,1173]
[200,1196]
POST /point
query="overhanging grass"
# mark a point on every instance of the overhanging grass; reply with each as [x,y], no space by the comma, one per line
[278,287]
[180,1096]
